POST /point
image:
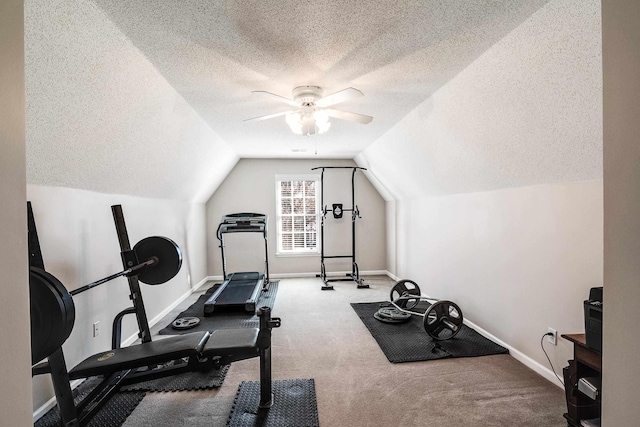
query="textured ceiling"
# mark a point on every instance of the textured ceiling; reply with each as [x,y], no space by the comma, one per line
[527,112]
[214,53]
[126,94]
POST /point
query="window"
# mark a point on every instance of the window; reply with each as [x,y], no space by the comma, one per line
[297,204]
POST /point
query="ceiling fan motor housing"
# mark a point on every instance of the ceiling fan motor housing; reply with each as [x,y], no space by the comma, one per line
[307,95]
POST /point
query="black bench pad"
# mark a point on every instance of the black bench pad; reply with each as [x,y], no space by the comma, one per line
[232,342]
[135,356]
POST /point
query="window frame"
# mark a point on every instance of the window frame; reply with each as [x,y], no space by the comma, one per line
[279,178]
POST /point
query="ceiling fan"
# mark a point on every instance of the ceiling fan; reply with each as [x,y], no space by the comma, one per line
[311,113]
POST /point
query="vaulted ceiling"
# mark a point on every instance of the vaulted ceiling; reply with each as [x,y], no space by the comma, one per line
[149,97]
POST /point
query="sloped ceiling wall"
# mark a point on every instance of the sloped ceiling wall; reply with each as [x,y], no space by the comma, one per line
[526,112]
[147,98]
[117,112]
[216,52]
[101,117]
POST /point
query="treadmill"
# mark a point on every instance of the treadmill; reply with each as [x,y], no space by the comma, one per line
[240,291]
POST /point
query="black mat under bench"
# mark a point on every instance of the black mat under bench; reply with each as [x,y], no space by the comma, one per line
[408,342]
[223,319]
[113,414]
[294,405]
[183,382]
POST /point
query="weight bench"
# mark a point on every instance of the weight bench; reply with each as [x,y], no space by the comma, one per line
[203,351]
[155,260]
[187,346]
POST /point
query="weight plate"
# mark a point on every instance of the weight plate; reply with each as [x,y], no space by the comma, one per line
[169,259]
[391,315]
[185,323]
[443,320]
[405,288]
[52,313]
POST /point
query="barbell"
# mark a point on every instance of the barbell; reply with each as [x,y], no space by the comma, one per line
[52,307]
[160,253]
[442,319]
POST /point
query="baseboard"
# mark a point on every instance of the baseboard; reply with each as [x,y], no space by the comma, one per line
[392,276]
[518,355]
[315,274]
[46,407]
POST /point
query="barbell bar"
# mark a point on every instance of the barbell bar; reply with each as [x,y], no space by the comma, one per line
[442,319]
[162,261]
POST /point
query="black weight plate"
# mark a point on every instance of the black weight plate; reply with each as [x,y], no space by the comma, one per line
[52,313]
[169,259]
[385,317]
[391,315]
[405,287]
[443,320]
[185,323]
[69,311]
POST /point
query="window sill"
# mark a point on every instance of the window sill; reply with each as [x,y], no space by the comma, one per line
[297,254]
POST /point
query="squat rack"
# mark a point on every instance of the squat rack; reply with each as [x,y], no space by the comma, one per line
[337,213]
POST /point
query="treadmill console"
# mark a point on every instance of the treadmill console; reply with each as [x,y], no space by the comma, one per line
[243,222]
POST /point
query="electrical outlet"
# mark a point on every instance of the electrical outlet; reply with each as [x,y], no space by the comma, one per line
[553,337]
[96,329]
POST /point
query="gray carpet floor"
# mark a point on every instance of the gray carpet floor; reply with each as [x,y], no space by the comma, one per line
[322,338]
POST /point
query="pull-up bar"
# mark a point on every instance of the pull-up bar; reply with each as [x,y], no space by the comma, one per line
[337,213]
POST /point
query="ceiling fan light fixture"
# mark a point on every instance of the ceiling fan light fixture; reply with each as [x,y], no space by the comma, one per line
[322,122]
[308,123]
[294,120]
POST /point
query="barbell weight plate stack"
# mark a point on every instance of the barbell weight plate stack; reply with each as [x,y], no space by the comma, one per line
[443,320]
[185,323]
[52,314]
[169,259]
[405,287]
[391,315]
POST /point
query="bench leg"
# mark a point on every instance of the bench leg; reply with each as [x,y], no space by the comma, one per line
[266,396]
[266,323]
[62,389]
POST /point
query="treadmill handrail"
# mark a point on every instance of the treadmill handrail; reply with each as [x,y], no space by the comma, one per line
[243,223]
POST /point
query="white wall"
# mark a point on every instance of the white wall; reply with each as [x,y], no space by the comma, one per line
[101,117]
[516,260]
[498,178]
[15,356]
[621,380]
[250,187]
[80,245]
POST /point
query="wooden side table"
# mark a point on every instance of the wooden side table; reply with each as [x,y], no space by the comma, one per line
[588,363]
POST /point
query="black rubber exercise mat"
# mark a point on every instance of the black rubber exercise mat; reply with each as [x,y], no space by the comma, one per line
[223,319]
[294,405]
[113,414]
[182,382]
[408,342]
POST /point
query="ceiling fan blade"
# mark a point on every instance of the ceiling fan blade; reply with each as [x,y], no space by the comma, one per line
[338,97]
[268,116]
[276,97]
[345,115]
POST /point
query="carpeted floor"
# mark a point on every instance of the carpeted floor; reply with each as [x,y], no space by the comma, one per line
[323,339]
